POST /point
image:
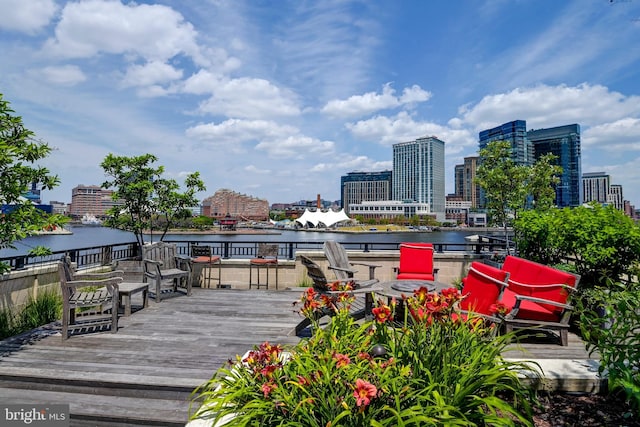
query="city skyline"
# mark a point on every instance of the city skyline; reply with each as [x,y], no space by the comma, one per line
[281,101]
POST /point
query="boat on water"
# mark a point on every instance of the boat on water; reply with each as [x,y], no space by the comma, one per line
[91,220]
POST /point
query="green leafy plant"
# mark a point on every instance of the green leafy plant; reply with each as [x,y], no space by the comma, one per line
[20,153]
[8,325]
[43,309]
[434,367]
[609,322]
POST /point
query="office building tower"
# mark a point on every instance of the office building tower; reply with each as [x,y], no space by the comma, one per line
[358,187]
[515,133]
[615,197]
[564,143]
[418,173]
[465,187]
[595,187]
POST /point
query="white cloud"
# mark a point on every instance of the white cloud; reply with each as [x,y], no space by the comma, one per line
[250,98]
[65,75]
[26,16]
[296,146]
[402,127]
[370,102]
[254,169]
[153,32]
[151,73]
[235,131]
[621,135]
[547,106]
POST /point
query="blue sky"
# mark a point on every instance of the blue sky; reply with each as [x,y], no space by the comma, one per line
[278,99]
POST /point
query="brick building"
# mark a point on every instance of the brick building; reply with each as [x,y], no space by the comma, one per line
[230,203]
[90,199]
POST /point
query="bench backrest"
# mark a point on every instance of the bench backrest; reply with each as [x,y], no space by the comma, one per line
[163,252]
[525,272]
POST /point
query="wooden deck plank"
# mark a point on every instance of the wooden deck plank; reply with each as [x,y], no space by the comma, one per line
[179,342]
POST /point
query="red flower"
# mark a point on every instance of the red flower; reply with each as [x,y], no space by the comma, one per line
[382,313]
[267,388]
[342,360]
[364,392]
[500,309]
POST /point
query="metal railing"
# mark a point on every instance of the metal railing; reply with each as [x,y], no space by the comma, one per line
[107,254]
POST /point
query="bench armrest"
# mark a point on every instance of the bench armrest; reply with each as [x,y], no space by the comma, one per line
[111,283]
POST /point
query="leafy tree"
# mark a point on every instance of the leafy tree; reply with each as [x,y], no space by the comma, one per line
[510,188]
[144,194]
[19,154]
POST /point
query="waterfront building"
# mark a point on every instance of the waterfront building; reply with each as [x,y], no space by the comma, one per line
[457,210]
[465,187]
[389,209]
[90,199]
[418,174]
[225,203]
[357,187]
[614,197]
[595,187]
[564,143]
[515,133]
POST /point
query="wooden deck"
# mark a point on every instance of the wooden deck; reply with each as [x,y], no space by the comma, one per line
[144,374]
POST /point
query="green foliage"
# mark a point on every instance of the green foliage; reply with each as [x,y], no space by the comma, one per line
[601,242]
[610,321]
[511,188]
[44,309]
[434,369]
[19,154]
[146,194]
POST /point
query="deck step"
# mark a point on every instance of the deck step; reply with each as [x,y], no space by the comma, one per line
[89,409]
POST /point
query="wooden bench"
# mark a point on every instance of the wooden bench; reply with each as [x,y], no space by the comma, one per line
[127,290]
[162,262]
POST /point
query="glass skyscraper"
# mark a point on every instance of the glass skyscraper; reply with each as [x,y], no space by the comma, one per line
[564,143]
[515,133]
[418,172]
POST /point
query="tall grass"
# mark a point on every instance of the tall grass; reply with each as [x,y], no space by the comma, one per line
[45,308]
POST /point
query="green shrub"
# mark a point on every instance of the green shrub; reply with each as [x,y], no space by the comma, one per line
[434,368]
[601,242]
[42,310]
[613,330]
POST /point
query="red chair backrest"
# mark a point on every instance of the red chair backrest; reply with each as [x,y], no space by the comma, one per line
[524,271]
[416,258]
[482,287]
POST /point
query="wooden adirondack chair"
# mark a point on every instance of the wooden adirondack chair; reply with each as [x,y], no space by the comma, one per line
[340,264]
[162,263]
[360,308]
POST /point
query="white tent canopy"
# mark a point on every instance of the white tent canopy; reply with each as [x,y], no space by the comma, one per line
[328,218]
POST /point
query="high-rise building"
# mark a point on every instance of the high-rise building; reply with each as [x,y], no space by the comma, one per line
[465,187]
[418,173]
[615,197]
[515,133]
[358,187]
[90,199]
[595,187]
[564,143]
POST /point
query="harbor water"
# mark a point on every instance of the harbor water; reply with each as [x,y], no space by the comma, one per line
[84,237]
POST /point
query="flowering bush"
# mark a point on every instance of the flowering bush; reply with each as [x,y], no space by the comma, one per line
[432,367]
